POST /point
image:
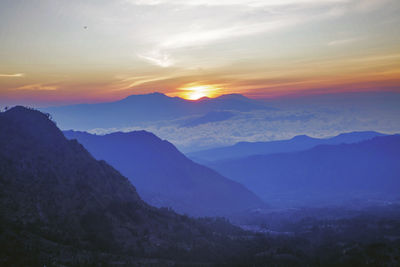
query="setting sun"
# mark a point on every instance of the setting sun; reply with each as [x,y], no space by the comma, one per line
[195,92]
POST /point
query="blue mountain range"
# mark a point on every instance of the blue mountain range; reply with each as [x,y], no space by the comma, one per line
[297,143]
[325,174]
[165,177]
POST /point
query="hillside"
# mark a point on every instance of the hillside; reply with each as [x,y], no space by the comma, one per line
[297,143]
[60,206]
[325,174]
[165,177]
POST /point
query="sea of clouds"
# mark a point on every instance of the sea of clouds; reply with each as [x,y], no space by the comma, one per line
[287,120]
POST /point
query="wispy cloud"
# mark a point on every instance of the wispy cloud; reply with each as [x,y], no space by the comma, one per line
[250,3]
[206,36]
[14,75]
[342,41]
[38,87]
[162,54]
[157,58]
[125,82]
[240,19]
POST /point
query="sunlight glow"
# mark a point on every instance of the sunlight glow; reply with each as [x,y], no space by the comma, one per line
[194,92]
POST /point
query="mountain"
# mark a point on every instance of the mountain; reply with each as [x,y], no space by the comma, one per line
[61,207]
[136,109]
[297,143]
[325,173]
[165,177]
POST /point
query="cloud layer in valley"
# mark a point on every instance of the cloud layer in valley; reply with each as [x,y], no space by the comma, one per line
[321,117]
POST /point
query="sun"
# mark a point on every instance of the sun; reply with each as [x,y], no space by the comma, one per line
[195,92]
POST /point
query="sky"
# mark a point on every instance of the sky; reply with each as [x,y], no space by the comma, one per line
[55,52]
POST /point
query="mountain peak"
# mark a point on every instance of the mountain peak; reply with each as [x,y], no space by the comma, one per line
[301,137]
[27,120]
[141,134]
[24,113]
[154,95]
[154,107]
[233,96]
[360,133]
[52,187]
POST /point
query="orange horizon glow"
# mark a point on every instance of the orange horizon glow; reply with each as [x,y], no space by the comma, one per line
[357,74]
[193,91]
[65,94]
[305,47]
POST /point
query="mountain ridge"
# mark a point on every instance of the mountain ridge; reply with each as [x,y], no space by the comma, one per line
[60,206]
[326,172]
[136,109]
[297,143]
[166,177]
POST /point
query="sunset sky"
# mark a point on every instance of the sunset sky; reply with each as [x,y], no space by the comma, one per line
[61,51]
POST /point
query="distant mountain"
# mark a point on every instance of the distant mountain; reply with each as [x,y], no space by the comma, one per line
[145,108]
[165,177]
[61,207]
[325,173]
[297,143]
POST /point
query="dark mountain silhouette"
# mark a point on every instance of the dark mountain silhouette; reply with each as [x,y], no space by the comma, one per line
[297,143]
[144,108]
[61,207]
[165,177]
[324,173]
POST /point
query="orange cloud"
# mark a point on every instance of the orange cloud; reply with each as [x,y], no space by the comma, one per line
[37,87]
[14,75]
